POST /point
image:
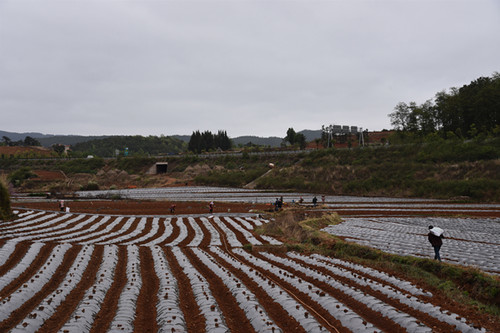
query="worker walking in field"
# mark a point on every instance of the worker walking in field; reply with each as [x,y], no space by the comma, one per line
[435,237]
[211,206]
[62,206]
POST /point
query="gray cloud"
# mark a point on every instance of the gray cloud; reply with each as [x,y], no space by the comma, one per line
[249,67]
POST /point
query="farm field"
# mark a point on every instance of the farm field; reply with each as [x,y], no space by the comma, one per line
[97,270]
[474,242]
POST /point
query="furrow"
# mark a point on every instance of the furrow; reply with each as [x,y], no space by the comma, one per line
[406,299]
[127,304]
[21,266]
[214,319]
[246,300]
[84,315]
[198,233]
[169,314]
[110,238]
[26,221]
[33,285]
[214,234]
[150,234]
[104,234]
[99,228]
[229,234]
[40,228]
[248,235]
[135,230]
[349,318]
[292,308]
[183,232]
[47,307]
[65,233]
[165,230]
[6,251]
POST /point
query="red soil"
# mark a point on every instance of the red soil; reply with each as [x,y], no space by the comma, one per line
[145,317]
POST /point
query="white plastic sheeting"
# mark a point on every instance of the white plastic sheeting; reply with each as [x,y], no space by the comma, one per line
[35,284]
[214,319]
[21,266]
[214,234]
[127,304]
[83,317]
[247,301]
[280,296]
[198,236]
[230,236]
[48,306]
[349,318]
[168,231]
[169,315]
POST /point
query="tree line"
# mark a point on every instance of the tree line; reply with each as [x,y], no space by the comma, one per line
[136,145]
[463,112]
[207,141]
[28,141]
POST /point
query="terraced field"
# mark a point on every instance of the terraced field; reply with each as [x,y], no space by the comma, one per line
[469,241]
[75,272]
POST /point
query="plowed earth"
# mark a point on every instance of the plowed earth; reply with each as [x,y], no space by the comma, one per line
[134,266]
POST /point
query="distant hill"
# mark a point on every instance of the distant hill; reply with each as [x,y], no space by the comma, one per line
[68,139]
[21,136]
[47,140]
[272,141]
[184,138]
[311,135]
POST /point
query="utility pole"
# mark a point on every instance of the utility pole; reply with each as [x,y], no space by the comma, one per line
[361,137]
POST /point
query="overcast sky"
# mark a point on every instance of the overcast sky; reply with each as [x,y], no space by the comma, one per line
[113,67]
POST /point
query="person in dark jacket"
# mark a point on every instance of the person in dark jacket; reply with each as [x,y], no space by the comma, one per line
[436,242]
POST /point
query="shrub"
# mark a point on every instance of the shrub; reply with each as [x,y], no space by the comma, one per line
[84,165]
[5,210]
[135,165]
[91,186]
[19,176]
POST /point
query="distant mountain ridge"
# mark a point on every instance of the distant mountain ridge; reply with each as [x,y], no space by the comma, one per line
[48,140]
[21,136]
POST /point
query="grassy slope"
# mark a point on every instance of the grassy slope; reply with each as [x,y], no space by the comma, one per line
[439,169]
[436,169]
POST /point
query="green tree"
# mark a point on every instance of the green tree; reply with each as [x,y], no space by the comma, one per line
[59,149]
[471,110]
[290,136]
[7,140]
[207,141]
[222,141]
[194,144]
[29,141]
[300,139]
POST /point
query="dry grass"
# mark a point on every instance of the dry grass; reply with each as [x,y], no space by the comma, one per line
[293,226]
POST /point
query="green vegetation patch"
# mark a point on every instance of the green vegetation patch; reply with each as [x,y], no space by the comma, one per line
[5,209]
[22,174]
[83,165]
